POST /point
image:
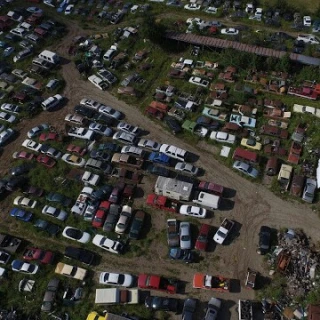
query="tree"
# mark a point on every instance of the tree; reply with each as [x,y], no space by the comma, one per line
[152,29]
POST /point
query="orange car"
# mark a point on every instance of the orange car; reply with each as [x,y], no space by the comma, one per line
[205,281]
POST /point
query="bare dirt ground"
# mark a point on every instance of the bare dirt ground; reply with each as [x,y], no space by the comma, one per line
[253,204]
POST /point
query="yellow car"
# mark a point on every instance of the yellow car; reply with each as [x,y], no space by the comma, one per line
[95,316]
[251,143]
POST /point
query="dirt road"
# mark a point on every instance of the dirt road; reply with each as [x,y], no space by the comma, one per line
[254,205]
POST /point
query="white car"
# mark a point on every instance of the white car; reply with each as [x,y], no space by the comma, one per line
[19,73]
[73,160]
[249,8]
[4,116]
[52,102]
[13,108]
[81,133]
[149,144]
[69,9]
[107,244]
[116,279]
[223,137]
[199,82]
[124,219]
[193,211]
[24,267]
[230,31]
[98,82]
[109,111]
[185,236]
[100,129]
[307,21]
[36,131]
[90,178]
[32,145]
[76,234]
[131,150]
[126,127]
[197,21]
[90,103]
[212,10]
[187,168]
[55,212]
[192,6]
[49,3]
[124,137]
[173,152]
[24,202]
[223,231]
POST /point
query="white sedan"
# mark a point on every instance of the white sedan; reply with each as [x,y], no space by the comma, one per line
[73,160]
[192,6]
[193,211]
[11,108]
[230,31]
[107,244]
[24,202]
[4,116]
[116,279]
[32,145]
[24,267]
[76,234]
[197,21]
[212,10]
[224,137]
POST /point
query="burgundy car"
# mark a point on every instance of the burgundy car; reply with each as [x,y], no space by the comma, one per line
[47,136]
[99,218]
[46,160]
[211,187]
[116,193]
[23,155]
[203,237]
[76,149]
[36,254]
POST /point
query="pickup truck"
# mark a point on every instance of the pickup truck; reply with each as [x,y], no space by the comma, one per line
[251,279]
[82,201]
[117,296]
[173,233]
[162,203]
[81,133]
[125,175]
[155,282]
[223,231]
[127,160]
[205,281]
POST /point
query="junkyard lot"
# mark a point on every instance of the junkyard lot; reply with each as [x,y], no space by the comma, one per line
[254,205]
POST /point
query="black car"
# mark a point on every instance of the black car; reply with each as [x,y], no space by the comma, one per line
[136,225]
[158,171]
[112,217]
[189,309]
[113,147]
[3,185]
[21,169]
[208,123]
[186,256]
[100,155]
[16,182]
[102,193]
[103,119]
[173,124]
[84,111]
[43,225]
[162,303]
[82,255]
[264,240]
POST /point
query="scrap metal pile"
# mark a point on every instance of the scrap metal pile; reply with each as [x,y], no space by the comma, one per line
[296,258]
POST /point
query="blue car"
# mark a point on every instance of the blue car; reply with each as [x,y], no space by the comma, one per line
[21,214]
[161,158]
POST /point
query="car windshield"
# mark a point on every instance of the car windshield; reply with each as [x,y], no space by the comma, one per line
[74,233]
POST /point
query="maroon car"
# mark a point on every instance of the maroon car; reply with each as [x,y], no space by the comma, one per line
[211,187]
[23,155]
[99,218]
[46,160]
[76,149]
[36,254]
[203,237]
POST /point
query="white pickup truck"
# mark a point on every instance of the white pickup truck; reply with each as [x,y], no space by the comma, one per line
[117,296]
[223,231]
[306,109]
[81,133]
[308,38]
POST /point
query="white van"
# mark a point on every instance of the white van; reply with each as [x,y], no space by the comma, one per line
[25,25]
[49,56]
[206,199]
[19,32]
[51,102]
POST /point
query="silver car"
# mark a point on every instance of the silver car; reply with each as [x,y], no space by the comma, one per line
[185,236]
[309,190]
[246,169]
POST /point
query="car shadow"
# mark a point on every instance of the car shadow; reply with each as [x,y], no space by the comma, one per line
[234,234]
[226,204]
[139,193]
[229,193]
[235,286]
[191,157]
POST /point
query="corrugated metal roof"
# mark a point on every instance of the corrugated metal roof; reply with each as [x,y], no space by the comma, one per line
[224,44]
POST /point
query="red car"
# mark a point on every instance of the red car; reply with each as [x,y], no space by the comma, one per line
[23,155]
[36,254]
[104,206]
[203,237]
[99,218]
[76,149]
[47,136]
[211,187]
[162,203]
[46,160]
[154,282]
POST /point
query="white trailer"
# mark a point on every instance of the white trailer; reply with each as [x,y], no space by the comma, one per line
[117,296]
